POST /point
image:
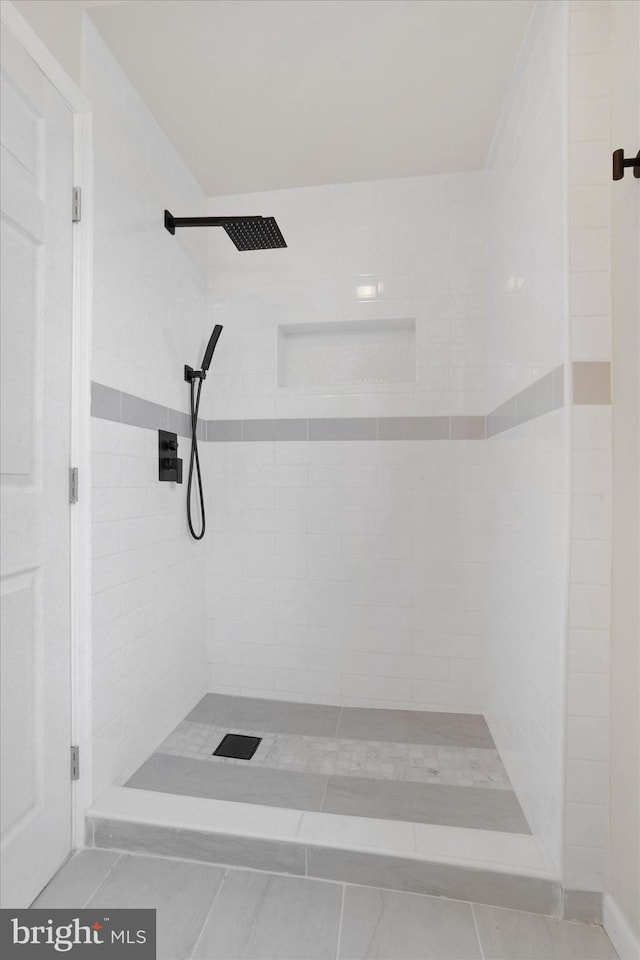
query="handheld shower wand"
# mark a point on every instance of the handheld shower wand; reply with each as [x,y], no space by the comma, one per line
[192,376]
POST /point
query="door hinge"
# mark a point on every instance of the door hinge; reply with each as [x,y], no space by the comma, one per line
[75,763]
[76,205]
[73,484]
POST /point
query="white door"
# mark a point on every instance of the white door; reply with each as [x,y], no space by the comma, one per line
[36,252]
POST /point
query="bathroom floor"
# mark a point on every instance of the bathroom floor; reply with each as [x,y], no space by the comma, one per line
[440,768]
[211,912]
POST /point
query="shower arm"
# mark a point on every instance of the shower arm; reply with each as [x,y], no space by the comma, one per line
[172,222]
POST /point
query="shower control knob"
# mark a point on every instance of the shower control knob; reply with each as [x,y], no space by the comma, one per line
[169,464]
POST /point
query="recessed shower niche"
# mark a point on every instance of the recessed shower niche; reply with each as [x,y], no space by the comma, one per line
[346,353]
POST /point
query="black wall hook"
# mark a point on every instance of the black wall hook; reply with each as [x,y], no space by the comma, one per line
[619,164]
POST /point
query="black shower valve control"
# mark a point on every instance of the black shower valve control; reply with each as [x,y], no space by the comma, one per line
[169,464]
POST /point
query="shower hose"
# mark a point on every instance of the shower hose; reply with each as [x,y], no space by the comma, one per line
[194,462]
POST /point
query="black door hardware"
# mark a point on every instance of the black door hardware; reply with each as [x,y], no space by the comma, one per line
[619,164]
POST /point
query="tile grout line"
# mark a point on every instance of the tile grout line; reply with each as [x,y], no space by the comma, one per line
[208,914]
[475,924]
[339,943]
[324,795]
[335,736]
[106,876]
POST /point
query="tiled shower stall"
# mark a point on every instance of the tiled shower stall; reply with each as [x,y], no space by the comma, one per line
[431,541]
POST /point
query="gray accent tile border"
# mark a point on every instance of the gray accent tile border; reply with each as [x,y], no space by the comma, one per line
[533,894]
[179,423]
[343,428]
[591,385]
[502,418]
[224,430]
[414,428]
[281,429]
[468,428]
[109,404]
[144,413]
[106,403]
[592,381]
[540,397]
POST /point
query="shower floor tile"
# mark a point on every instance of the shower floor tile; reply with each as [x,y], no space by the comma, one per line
[274,716]
[241,783]
[371,759]
[387,764]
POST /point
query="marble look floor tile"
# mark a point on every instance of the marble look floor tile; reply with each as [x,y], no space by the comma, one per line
[239,851]
[244,784]
[387,760]
[259,916]
[515,935]
[415,726]
[268,716]
[181,893]
[451,806]
[388,925]
[77,880]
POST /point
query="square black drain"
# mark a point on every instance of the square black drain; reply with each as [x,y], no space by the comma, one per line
[238,746]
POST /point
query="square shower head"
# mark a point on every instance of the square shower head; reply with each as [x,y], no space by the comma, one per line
[255,234]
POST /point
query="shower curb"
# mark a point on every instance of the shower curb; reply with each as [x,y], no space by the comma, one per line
[411,874]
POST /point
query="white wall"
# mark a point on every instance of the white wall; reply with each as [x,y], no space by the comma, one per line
[58,23]
[526,465]
[624,821]
[418,240]
[589,614]
[350,572]
[149,318]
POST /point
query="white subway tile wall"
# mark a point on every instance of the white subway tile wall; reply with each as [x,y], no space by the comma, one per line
[393,250]
[149,317]
[587,774]
[526,480]
[345,572]
[351,572]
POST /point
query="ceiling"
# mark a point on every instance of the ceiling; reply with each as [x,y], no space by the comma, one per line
[269,94]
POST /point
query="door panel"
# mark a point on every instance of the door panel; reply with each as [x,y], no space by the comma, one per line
[36,264]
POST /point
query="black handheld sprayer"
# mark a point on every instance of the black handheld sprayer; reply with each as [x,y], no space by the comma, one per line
[192,377]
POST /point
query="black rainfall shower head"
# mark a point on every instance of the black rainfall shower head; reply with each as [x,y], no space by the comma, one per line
[247,233]
[213,339]
[255,234]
